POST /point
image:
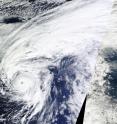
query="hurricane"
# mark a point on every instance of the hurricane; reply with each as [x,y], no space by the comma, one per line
[48,61]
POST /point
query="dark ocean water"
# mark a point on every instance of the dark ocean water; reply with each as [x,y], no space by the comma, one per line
[111,77]
[18,11]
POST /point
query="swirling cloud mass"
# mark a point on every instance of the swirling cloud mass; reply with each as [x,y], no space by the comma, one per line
[48,61]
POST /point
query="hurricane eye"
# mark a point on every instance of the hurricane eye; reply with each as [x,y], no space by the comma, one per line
[22,84]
